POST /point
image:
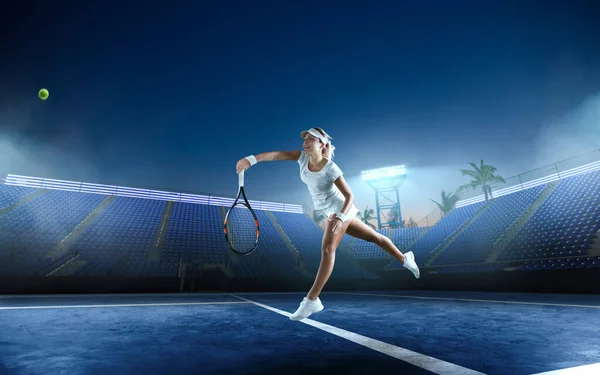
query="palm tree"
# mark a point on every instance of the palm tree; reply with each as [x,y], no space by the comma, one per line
[448,202]
[482,176]
[411,223]
[368,215]
[394,217]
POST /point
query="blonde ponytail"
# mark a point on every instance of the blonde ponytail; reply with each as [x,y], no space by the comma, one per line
[328,151]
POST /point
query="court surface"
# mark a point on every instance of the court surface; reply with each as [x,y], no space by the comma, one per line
[398,332]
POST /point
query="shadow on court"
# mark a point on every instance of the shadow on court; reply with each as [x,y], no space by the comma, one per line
[219,333]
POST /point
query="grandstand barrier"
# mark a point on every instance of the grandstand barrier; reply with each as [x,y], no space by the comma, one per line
[84,187]
[583,163]
[588,162]
[528,281]
[431,218]
[551,249]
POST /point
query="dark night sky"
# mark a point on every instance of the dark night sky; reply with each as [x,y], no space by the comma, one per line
[171,94]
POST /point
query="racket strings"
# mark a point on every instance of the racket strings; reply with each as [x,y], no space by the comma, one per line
[241,228]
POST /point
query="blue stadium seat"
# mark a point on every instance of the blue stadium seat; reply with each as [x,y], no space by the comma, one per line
[29,232]
[307,238]
[195,234]
[477,240]
[366,250]
[437,234]
[272,258]
[120,238]
[10,195]
[558,236]
[565,224]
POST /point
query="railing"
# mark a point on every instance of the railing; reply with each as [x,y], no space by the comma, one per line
[83,187]
[584,163]
[431,218]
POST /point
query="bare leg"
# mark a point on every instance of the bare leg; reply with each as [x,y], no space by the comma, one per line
[328,248]
[360,230]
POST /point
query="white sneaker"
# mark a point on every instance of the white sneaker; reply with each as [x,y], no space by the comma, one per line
[409,263]
[307,307]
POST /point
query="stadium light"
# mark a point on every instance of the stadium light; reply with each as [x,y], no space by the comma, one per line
[386,182]
[380,173]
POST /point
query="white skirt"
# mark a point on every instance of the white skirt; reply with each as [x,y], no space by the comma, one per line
[337,207]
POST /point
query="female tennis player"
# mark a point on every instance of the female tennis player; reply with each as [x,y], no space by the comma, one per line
[332,196]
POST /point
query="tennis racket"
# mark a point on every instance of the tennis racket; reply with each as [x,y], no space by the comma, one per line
[241,224]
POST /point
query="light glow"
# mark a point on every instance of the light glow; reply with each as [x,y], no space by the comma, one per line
[386,172]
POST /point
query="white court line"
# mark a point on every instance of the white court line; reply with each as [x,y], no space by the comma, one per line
[120,305]
[593,369]
[434,365]
[471,300]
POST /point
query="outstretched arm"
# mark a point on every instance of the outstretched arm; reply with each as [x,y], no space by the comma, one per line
[244,164]
[278,155]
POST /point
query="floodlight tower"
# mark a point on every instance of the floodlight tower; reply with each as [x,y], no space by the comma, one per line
[386,182]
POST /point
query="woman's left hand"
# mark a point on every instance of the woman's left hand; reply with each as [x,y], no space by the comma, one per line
[337,224]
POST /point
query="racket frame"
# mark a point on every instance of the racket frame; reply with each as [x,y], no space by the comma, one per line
[242,194]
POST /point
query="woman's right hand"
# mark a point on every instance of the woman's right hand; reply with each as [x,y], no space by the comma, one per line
[242,165]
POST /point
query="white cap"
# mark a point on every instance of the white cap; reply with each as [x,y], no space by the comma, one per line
[315,133]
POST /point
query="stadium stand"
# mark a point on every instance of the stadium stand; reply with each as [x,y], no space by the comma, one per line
[435,236]
[476,241]
[565,226]
[366,250]
[307,237]
[31,229]
[195,234]
[13,194]
[119,239]
[403,238]
[52,231]
[563,230]
[272,257]
[561,263]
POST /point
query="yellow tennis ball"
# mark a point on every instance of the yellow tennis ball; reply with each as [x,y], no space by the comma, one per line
[43,94]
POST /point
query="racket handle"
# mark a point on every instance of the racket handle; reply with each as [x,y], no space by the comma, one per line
[241,178]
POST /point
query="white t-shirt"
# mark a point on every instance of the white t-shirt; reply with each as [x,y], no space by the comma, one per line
[325,195]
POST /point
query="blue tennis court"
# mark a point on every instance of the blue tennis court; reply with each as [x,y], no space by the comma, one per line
[390,332]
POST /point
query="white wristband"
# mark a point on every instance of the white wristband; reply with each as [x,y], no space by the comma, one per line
[251,159]
[341,216]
